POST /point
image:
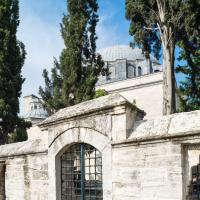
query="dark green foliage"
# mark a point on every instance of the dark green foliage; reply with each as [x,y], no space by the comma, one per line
[163,23]
[12,55]
[20,132]
[189,89]
[142,16]
[74,76]
[181,15]
[52,93]
[19,135]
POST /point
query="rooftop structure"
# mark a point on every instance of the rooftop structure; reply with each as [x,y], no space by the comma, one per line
[125,62]
[33,109]
[133,76]
[130,74]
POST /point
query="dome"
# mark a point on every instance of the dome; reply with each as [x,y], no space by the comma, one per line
[122,52]
[37,113]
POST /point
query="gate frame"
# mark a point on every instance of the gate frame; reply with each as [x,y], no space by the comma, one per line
[63,142]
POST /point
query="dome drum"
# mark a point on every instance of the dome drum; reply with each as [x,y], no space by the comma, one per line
[124,62]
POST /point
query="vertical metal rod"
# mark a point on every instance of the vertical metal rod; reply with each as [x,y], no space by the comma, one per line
[95,167]
[61,164]
[82,172]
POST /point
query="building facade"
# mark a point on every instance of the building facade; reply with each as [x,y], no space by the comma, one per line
[125,62]
[134,77]
[34,111]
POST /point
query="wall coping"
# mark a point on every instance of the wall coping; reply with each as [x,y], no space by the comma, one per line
[88,107]
[178,125]
[133,83]
[23,148]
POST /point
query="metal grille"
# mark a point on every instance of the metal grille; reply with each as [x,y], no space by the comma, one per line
[194,188]
[81,173]
[2,180]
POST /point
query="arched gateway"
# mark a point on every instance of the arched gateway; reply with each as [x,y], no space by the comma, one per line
[81,173]
[80,152]
[99,150]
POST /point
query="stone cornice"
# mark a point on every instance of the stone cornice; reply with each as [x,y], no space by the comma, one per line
[87,108]
[23,148]
[176,126]
[137,86]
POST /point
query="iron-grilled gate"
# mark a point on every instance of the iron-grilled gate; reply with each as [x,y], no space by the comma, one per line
[81,173]
[194,190]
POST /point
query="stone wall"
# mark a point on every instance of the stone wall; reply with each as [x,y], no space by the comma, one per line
[145,159]
[155,161]
[27,177]
[26,170]
[147,171]
[141,159]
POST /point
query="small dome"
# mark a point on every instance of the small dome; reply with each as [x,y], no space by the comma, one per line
[122,52]
[37,113]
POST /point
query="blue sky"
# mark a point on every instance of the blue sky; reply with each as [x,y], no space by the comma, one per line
[39,30]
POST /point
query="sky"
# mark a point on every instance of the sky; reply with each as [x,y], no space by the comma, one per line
[39,30]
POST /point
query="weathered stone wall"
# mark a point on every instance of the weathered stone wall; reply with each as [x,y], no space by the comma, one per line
[147,172]
[155,161]
[25,174]
[141,160]
[98,123]
[145,159]
[27,177]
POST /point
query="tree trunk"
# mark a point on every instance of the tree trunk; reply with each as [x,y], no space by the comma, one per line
[148,63]
[149,66]
[169,102]
[167,35]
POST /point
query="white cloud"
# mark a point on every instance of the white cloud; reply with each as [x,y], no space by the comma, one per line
[112,28]
[107,35]
[43,42]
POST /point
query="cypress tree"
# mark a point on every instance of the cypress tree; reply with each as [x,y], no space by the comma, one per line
[162,23]
[189,89]
[74,76]
[12,55]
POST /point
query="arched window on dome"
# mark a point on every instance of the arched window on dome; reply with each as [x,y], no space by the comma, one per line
[81,173]
[139,71]
[131,71]
[112,72]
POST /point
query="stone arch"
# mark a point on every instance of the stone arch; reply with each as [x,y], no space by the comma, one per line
[75,132]
[78,135]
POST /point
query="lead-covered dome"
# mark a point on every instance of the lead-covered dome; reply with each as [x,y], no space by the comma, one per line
[38,113]
[118,52]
